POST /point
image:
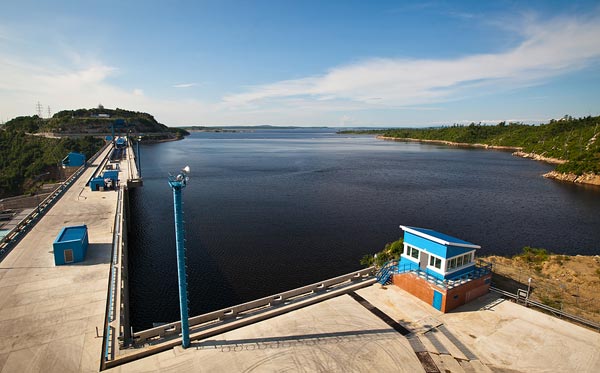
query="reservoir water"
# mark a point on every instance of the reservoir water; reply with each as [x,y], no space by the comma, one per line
[271,210]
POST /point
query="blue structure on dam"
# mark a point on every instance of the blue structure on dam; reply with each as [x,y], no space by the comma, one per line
[438,254]
[74,160]
[70,246]
[438,269]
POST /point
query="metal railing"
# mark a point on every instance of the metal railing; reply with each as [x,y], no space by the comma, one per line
[109,343]
[393,267]
[253,307]
[556,312]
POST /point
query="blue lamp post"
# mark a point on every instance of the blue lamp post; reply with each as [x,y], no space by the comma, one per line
[177,183]
[139,160]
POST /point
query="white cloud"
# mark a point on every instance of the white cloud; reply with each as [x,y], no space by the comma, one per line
[548,49]
[184,85]
[346,94]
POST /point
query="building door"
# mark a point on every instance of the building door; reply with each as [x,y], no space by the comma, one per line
[437,300]
[68,256]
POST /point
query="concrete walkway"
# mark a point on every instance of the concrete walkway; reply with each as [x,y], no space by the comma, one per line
[49,314]
[356,334]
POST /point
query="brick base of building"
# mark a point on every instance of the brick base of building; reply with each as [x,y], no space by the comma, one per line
[451,298]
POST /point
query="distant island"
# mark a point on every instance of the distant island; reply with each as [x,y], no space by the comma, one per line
[32,147]
[571,143]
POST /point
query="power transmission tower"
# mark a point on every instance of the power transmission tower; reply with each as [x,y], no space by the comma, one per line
[39,109]
[49,112]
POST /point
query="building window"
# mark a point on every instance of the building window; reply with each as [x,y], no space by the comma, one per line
[435,262]
[460,261]
[414,253]
[467,259]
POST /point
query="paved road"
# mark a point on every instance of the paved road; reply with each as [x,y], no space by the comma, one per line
[49,314]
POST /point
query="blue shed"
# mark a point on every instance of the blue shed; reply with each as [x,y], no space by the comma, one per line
[112,174]
[70,246]
[74,160]
[97,183]
[438,254]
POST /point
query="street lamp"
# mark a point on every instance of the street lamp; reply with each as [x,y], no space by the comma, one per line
[177,183]
[528,289]
[139,160]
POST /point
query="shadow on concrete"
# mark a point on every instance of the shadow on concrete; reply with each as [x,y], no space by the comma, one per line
[97,253]
[237,345]
[487,302]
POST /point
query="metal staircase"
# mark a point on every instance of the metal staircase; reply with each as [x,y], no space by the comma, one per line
[384,275]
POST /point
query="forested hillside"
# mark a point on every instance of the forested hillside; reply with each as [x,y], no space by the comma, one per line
[25,157]
[92,121]
[575,140]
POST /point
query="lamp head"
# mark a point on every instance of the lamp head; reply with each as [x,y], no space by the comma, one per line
[186,170]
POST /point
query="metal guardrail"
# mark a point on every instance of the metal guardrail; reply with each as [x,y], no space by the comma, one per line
[556,312]
[246,309]
[109,337]
[15,234]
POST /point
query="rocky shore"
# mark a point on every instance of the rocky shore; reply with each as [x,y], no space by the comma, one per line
[451,143]
[537,157]
[589,178]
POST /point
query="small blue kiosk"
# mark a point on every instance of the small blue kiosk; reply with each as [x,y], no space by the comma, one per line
[438,269]
[438,254]
[70,246]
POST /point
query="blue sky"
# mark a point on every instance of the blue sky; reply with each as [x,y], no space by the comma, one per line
[333,63]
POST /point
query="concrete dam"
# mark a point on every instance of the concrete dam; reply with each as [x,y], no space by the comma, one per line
[75,317]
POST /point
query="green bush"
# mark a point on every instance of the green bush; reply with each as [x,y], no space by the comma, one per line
[391,250]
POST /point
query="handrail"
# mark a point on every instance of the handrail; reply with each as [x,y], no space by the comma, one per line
[117,240]
[251,307]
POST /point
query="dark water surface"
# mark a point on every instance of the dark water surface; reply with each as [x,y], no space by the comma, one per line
[272,210]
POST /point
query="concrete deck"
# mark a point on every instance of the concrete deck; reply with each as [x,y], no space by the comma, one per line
[48,313]
[341,335]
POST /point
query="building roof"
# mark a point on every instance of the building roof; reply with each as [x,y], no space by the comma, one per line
[438,237]
[72,233]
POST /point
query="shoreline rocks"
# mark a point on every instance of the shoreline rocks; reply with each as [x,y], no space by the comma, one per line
[538,157]
[587,178]
[451,143]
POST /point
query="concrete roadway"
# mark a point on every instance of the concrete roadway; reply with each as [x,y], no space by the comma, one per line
[48,313]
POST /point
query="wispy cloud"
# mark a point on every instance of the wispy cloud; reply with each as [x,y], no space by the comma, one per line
[548,49]
[184,85]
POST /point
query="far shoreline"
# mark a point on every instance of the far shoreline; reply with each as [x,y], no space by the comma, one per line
[587,178]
